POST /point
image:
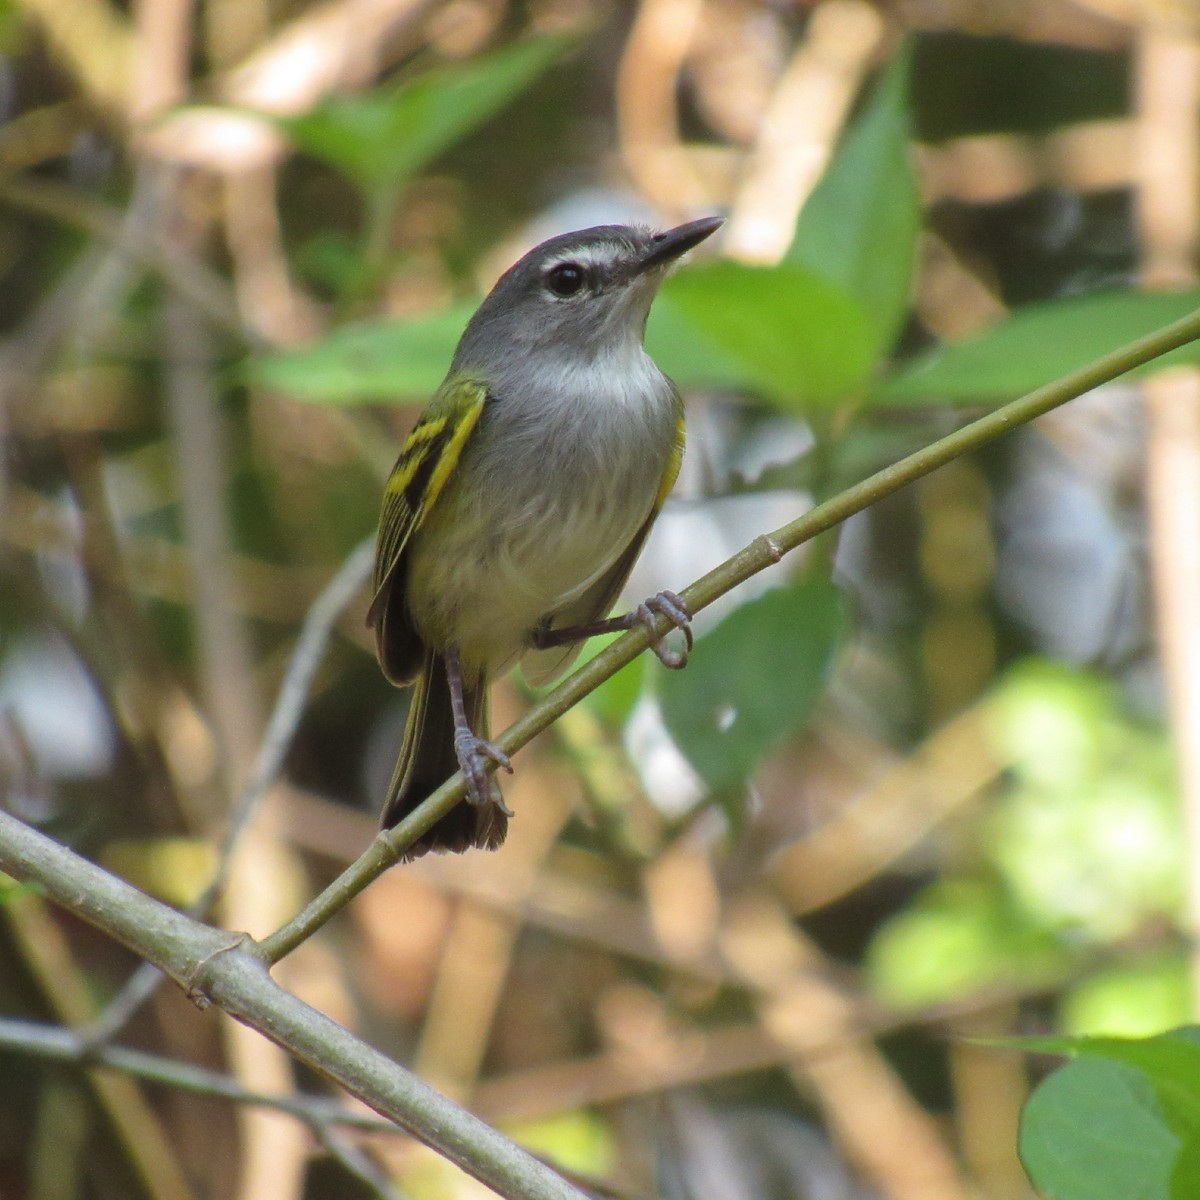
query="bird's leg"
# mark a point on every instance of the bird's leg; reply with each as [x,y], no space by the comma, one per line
[667,603]
[473,752]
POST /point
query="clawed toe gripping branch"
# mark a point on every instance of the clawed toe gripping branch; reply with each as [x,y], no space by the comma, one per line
[474,754]
[676,611]
[671,606]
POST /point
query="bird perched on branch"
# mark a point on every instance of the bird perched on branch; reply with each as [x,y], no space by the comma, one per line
[519,504]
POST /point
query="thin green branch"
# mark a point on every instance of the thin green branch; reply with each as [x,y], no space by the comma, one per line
[223,968]
[763,552]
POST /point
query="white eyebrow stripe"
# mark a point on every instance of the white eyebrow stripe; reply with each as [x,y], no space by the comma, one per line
[587,256]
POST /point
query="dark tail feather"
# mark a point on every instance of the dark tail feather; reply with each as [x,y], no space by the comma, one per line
[427,759]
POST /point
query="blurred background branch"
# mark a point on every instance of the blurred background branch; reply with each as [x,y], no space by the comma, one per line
[747,916]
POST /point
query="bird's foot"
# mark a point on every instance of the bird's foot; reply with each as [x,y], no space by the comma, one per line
[674,609]
[667,603]
[474,754]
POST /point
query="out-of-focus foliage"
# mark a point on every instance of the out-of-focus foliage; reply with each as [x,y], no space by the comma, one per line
[751,316]
[1136,998]
[748,912]
[957,939]
[859,228]
[1082,848]
[385,137]
[1092,800]
[369,361]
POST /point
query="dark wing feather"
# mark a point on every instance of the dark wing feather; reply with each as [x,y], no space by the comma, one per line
[426,463]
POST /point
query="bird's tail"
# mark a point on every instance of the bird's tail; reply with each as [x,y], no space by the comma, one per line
[427,759]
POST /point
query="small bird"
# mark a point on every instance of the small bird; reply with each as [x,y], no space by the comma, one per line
[520,502]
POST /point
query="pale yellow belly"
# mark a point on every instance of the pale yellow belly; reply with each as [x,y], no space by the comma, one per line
[486,594]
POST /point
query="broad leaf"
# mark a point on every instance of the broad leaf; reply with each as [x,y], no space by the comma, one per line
[955,939]
[1185,1176]
[859,227]
[686,354]
[1123,1120]
[753,680]
[784,332]
[1039,343]
[1091,1131]
[1170,1063]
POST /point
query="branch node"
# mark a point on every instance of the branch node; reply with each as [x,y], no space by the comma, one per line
[773,550]
[395,854]
[193,981]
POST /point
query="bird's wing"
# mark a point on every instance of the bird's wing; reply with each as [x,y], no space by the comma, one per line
[541,666]
[426,463]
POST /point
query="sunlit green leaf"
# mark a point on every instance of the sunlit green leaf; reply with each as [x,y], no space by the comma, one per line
[1037,344]
[752,680]
[1087,836]
[957,938]
[784,332]
[859,227]
[1130,999]
[578,1141]
[615,698]
[175,869]
[12,889]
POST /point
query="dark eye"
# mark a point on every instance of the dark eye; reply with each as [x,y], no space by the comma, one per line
[565,279]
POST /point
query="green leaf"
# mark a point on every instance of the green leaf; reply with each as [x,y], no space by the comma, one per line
[859,227]
[1092,1131]
[685,354]
[1169,1062]
[615,698]
[956,939]
[333,260]
[1039,343]
[784,332]
[368,362]
[12,890]
[1130,998]
[1087,835]
[577,1141]
[1185,1177]
[753,680]
[386,136]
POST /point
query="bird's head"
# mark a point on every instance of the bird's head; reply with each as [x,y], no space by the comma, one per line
[577,296]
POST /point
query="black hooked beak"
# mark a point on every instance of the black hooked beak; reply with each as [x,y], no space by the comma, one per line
[666,247]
